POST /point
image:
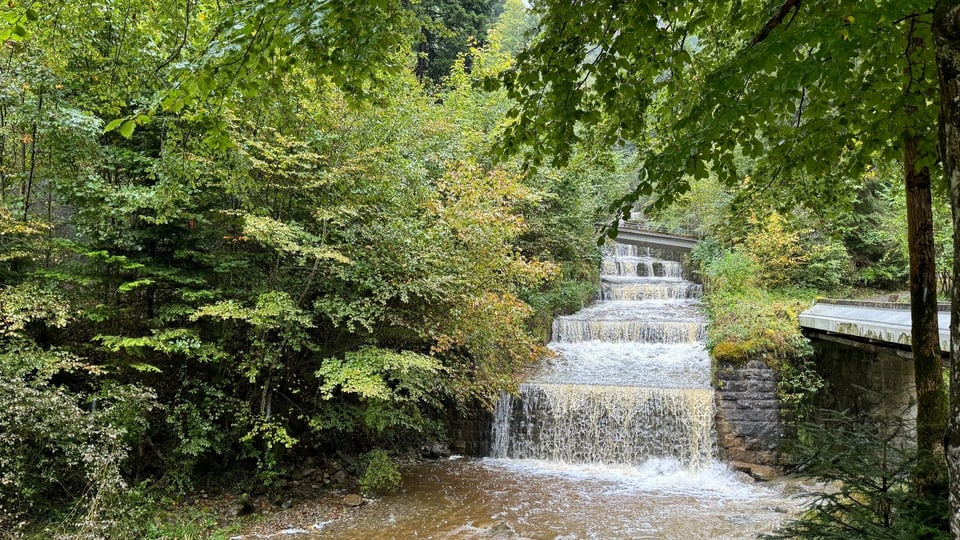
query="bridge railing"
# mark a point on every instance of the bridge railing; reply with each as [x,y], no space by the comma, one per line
[653,226]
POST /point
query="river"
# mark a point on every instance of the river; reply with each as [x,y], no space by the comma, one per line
[613,438]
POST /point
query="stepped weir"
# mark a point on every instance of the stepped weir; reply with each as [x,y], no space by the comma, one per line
[613,438]
[630,381]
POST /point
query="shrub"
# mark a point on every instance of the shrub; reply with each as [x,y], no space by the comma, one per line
[55,453]
[867,465]
[731,270]
[381,474]
[775,249]
[826,269]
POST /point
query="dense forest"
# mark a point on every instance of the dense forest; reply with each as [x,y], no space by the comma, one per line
[221,284]
[233,234]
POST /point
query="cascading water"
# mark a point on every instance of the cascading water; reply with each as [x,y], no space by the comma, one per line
[613,439]
[631,380]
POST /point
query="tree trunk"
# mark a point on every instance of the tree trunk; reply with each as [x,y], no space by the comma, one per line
[932,406]
[946,34]
[925,335]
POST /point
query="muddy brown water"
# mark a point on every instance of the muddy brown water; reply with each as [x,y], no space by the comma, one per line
[464,498]
[613,439]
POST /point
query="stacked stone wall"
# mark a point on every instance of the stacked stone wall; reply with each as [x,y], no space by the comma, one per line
[469,432]
[749,421]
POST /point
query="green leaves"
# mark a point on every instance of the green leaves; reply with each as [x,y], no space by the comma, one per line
[273,310]
[375,373]
[815,100]
[128,124]
[14,17]
[289,238]
[392,385]
[30,302]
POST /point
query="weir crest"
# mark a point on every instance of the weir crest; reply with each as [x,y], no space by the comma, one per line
[630,382]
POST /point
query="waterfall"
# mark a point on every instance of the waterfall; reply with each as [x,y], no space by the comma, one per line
[630,381]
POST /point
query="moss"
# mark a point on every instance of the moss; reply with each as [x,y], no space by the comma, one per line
[728,351]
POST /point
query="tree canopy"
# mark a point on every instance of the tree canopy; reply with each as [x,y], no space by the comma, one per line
[234,231]
[813,94]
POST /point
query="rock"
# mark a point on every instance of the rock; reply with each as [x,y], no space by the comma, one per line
[435,451]
[340,476]
[303,473]
[350,461]
[502,531]
[287,503]
[760,473]
[353,500]
[242,506]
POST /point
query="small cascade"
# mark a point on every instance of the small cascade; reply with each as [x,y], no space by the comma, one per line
[631,266]
[575,423]
[616,288]
[631,379]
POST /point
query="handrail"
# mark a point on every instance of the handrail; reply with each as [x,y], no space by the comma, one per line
[652,226]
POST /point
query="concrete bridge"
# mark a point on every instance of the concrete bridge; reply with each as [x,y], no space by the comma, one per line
[884,324]
[862,352]
[651,235]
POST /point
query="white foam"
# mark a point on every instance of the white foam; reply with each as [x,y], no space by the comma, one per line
[655,477]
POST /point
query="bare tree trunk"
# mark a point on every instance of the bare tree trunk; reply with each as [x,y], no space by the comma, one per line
[946,35]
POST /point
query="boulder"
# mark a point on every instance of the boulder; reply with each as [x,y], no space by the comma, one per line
[760,473]
[242,506]
[435,451]
[353,500]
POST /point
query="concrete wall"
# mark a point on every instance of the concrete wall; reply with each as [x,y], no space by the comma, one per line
[864,378]
[750,428]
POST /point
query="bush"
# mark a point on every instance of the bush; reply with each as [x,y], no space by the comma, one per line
[731,270]
[56,454]
[826,269]
[867,466]
[381,474]
[747,320]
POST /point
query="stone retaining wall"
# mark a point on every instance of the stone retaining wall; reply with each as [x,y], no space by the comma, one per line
[748,419]
[469,433]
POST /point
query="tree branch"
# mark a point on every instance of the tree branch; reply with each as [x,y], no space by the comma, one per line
[777,20]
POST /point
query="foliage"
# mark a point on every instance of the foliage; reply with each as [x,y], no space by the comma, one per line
[866,466]
[797,386]
[60,446]
[391,389]
[448,29]
[730,80]
[246,229]
[774,249]
[380,474]
[513,28]
[746,320]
